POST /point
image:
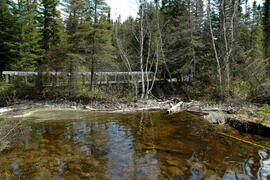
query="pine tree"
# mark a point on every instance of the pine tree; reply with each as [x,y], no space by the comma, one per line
[182,35]
[266,24]
[8,33]
[76,10]
[49,22]
[26,47]
[256,33]
[49,26]
[90,33]
[99,36]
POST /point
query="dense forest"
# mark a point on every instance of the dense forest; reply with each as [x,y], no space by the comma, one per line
[214,49]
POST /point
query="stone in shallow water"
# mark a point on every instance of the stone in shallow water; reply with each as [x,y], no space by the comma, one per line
[173,162]
[72,177]
[44,141]
[42,173]
[174,171]
[209,175]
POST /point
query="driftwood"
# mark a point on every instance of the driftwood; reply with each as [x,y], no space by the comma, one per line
[195,107]
[175,108]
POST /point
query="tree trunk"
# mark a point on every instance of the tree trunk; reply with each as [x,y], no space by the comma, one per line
[214,45]
[93,62]
[141,46]
[267,28]
[92,73]
[39,80]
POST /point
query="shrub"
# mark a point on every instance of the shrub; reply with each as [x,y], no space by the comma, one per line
[264,112]
[96,93]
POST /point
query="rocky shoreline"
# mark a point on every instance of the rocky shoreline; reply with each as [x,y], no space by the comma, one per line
[244,118]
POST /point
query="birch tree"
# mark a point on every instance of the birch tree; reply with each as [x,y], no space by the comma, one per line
[141,41]
[223,50]
[214,44]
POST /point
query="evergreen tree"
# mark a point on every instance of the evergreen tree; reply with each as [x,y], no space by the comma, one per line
[76,10]
[183,35]
[100,34]
[26,47]
[49,26]
[8,35]
[90,33]
[49,22]
[267,28]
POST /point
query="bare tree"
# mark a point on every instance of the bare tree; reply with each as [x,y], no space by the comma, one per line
[226,48]
[228,42]
[142,5]
[147,63]
[124,55]
[214,44]
[157,52]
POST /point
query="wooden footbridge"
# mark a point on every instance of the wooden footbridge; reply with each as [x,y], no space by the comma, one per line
[100,78]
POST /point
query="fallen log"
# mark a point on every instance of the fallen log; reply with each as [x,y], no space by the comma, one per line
[175,108]
[195,107]
[249,124]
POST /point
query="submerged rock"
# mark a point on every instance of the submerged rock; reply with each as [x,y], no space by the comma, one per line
[216,117]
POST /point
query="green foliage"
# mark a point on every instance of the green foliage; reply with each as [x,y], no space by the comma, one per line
[26,47]
[240,88]
[264,112]
[9,94]
[18,89]
[6,96]
[32,35]
[96,93]
[49,23]
[125,94]
[7,35]
[266,24]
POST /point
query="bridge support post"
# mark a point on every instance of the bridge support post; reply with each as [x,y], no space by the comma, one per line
[106,79]
[25,79]
[83,79]
[7,78]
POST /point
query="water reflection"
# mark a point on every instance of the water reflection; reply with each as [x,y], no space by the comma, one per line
[143,145]
[264,170]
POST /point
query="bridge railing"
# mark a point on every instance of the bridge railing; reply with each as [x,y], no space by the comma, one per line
[84,77]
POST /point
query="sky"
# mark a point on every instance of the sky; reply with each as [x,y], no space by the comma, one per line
[126,8]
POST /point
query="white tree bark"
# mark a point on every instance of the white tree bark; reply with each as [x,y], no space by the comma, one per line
[228,44]
[214,45]
[149,88]
[147,68]
[142,4]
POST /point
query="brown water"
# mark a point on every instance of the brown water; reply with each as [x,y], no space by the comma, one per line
[144,145]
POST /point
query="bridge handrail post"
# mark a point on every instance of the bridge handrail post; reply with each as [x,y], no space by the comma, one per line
[7,78]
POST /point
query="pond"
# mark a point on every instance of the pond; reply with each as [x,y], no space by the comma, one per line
[63,144]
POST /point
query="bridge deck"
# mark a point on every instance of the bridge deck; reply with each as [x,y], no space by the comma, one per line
[101,78]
